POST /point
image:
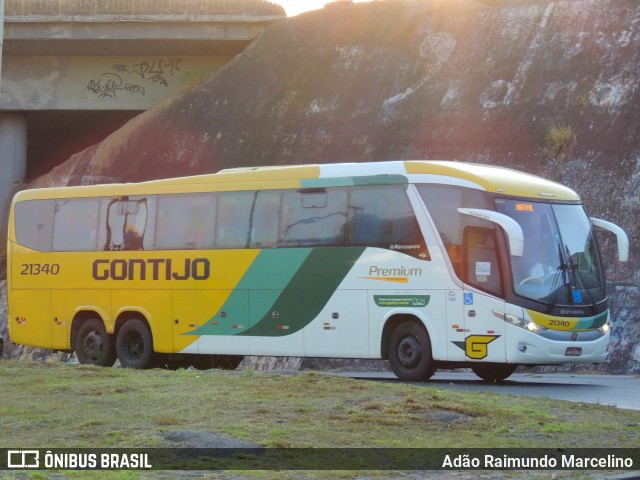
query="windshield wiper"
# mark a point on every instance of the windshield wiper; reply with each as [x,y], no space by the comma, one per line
[561,276]
[578,275]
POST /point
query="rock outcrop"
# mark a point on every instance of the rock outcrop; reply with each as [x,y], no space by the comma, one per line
[546,87]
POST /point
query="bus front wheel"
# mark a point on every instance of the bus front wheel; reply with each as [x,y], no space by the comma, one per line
[94,346]
[410,353]
[134,345]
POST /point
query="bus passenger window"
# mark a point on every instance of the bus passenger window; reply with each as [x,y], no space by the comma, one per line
[126,221]
[313,218]
[265,219]
[75,224]
[34,224]
[185,221]
[234,212]
[382,216]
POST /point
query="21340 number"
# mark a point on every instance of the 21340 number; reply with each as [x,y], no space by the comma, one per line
[40,269]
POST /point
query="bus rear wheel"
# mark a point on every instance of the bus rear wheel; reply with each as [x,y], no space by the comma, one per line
[94,346]
[493,372]
[410,353]
[134,345]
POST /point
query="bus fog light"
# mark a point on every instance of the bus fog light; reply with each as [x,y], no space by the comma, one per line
[522,348]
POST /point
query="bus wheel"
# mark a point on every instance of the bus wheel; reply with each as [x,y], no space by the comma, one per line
[94,346]
[493,372]
[410,352]
[134,345]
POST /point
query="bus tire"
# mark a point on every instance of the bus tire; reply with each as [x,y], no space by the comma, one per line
[94,346]
[134,345]
[493,372]
[410,352]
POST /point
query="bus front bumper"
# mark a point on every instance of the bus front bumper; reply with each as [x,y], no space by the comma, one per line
[527,348]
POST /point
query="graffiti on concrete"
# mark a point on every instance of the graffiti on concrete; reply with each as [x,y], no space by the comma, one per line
[134,79]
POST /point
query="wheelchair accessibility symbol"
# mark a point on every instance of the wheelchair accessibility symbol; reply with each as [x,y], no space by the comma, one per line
[468,298]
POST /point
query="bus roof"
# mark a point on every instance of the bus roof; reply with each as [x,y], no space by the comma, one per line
[485,177]
[497,179]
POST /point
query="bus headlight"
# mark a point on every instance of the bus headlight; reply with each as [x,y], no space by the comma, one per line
[519,322]
[534,327]
[604,329]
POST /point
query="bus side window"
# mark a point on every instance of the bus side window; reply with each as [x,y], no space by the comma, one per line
[34,224]
[234,214]
[127,223]
[382,216]
[313,217]
[265,219]
[443,202]
[75,224]
[185,221]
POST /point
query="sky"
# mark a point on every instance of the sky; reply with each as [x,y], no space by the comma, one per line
[294,7]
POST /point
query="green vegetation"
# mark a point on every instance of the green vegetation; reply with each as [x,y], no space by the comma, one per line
[559,140]
[52,405]
[583,100]
[57,405]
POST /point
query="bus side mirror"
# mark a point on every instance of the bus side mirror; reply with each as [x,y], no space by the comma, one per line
[623,240]
[513,228]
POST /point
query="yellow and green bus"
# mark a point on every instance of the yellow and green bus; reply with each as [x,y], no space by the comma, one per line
[429,264]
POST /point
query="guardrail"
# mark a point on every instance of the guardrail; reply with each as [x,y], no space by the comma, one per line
[140,7]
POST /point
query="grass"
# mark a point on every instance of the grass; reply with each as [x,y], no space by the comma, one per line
[559,139]
[50,405]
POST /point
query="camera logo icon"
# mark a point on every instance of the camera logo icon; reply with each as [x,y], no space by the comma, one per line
[23,459]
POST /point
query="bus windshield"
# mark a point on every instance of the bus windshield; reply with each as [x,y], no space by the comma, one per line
[560,265]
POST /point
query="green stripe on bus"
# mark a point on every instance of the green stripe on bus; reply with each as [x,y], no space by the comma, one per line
[308,292]
[591,323]
[257,291]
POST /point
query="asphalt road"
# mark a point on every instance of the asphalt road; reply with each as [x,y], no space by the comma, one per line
[622,391]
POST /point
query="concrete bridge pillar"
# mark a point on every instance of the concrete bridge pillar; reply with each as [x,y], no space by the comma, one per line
[13,161]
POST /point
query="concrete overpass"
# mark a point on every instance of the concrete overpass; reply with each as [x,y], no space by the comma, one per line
[73,71]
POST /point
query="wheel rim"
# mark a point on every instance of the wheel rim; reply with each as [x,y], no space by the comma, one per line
[92,346]
[409,352]
[134,345]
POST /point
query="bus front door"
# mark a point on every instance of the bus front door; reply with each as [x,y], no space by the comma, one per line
[484,331]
